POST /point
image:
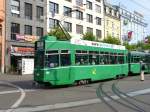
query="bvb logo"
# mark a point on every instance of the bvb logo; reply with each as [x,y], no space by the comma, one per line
[94,71]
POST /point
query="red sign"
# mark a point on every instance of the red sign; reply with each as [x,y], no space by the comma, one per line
[130,35]
[22,50]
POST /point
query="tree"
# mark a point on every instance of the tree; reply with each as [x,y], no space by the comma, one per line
[112,40]
[132,47]
[59,33]
[89,36]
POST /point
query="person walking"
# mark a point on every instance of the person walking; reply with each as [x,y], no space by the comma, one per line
[142,68]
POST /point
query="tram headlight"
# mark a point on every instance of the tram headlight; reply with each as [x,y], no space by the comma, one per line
[37,74]
[47,72]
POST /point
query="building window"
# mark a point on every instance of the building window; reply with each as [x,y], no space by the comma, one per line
[98,21]
[98,0]
[98,8]
[39,31]
[107,33]
[69,0]
[54,8]
[89,18]
[79,29]
[113,34]
[68,26]
[39,13]
[53,23]
[112,25]
[28,11]
[0,30]
[67,11]
[89,5]
[79,2]
[28,30]
[107,22]
[15,29]
[79,15]
[90,30]
[98,33]
[15,8]
[110,11]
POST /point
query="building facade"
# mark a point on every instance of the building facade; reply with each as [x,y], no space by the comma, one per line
[25,23]
[2,34]
[132,26]
[77,16]
[112,21]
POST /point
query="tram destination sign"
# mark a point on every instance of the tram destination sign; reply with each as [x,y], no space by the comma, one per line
[96,44]
[40,45]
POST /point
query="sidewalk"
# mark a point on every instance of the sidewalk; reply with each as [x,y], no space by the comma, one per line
[15,77]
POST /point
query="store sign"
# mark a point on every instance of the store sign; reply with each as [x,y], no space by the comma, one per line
[28,38]
[22,50]
[96,44]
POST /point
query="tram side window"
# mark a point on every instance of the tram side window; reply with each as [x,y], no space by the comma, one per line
[52,59]
[93,57]
[106,58]
[132,59]
[121,59]
[113,58]
[39,59]
[65,59]
[136,59]
[81,57]
[101,58]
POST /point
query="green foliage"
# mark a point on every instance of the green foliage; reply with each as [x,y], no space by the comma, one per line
[132,47]
[57,32]
[89,36]
[112,40]
[140,46]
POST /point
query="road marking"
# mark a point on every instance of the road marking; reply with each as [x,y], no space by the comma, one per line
[15,91]
[21,98]
[74,104]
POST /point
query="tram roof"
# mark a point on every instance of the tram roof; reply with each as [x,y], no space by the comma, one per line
[139,53]
[82,45]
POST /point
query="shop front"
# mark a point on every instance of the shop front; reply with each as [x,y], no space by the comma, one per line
[22,59]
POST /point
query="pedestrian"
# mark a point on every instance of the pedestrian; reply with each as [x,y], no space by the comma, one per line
[142,68]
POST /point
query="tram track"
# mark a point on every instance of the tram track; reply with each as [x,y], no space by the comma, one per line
[124,102]
[128,96]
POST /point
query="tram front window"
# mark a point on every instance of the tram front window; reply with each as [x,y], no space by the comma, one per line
[56,58]
[39,59]
[52,59]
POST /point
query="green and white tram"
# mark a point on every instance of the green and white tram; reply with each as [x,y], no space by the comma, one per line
[134,62]
[77,61]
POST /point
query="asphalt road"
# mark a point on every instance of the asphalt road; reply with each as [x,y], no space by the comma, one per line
[18,94]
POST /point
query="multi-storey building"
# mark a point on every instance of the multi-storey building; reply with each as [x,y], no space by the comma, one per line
[2,34]
[132,26]
[77,16]
[112,21]
[25,22]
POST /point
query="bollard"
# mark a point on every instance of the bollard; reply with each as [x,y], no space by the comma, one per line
[142,75]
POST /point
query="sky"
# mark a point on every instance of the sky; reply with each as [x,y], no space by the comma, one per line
[141,6]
